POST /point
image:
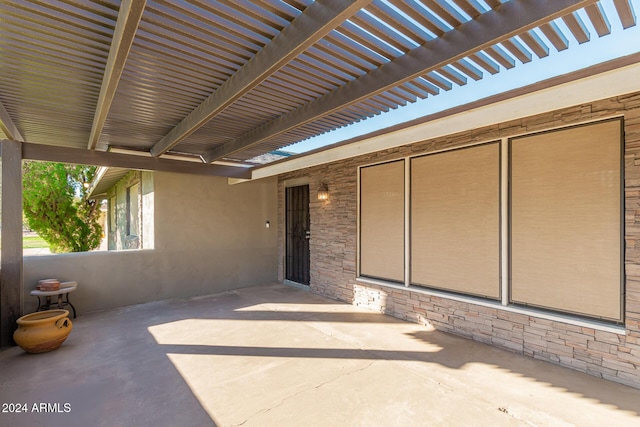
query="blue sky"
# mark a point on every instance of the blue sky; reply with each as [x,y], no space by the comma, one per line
[599,49]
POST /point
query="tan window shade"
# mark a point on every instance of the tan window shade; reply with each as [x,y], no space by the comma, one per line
[382,221]
[455,220]
[565,220]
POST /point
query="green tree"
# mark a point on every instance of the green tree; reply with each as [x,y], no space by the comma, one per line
[56,205]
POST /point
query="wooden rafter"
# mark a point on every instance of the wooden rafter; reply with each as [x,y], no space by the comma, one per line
[129,17]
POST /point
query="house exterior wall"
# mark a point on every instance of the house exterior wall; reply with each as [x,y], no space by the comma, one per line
[209,237]
[147,211]
[118,237]
[607,352]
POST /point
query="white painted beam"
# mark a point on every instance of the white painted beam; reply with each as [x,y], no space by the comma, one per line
[129,17]
[315,22]
[508,20]
[8,126]
[618,77]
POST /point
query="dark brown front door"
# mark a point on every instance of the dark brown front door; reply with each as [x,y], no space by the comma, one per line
[298,234]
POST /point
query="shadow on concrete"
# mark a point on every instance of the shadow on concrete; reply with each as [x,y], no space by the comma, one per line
[454,352]
[113,371]
[451,358]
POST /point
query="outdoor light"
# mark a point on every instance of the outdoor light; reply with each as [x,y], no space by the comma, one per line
[323,192]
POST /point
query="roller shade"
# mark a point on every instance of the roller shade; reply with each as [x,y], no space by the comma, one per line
[455,220]
[382,221]
[566,220]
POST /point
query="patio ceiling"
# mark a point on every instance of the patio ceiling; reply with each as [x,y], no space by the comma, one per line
[231,80]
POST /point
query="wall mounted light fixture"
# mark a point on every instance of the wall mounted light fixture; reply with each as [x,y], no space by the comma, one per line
[323,192]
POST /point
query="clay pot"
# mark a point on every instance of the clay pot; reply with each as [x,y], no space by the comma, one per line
[43,331]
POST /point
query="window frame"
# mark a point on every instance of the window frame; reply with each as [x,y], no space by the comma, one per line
[404,220]
[505,209]
[621,293]
[130,212]
[500,219]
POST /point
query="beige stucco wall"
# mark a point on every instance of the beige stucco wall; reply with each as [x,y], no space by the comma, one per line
[209,237]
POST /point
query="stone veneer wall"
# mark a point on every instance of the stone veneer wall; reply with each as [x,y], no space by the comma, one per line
[609,355]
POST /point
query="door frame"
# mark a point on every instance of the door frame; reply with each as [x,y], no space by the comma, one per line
[296,182]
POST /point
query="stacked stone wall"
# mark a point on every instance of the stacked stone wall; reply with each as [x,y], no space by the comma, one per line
[603,353]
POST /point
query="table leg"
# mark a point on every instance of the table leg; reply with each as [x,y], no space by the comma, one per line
[46,304]
[72,307]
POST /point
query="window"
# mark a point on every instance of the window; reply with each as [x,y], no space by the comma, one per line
[131,211]
[133,219]
[554,240]
[112,214]
[382,221]
[455,220]
[566,209]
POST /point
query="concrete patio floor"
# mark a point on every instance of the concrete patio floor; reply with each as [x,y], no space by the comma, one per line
[276,355]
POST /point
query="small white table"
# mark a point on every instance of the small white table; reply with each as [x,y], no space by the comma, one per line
[65,290]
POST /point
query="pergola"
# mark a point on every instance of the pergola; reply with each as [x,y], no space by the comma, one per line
[205,86]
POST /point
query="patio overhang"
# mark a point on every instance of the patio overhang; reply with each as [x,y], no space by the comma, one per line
[605,80]
[212,82]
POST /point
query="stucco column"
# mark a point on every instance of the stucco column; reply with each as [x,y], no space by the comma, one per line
[11,287]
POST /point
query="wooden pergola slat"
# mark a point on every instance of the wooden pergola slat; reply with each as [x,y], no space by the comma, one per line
[555,36]
[534,43]
[598,19]
[518,50]
[501,57]
[485,62]
[305,30]
[577,27]
[493,27]
[626,13]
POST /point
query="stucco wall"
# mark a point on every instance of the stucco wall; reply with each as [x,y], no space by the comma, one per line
[209,237]
[614,355]
[147,211]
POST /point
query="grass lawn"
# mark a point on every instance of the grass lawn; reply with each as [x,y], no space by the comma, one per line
[31,242]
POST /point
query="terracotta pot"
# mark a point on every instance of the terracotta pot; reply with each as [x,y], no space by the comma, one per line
[43,331]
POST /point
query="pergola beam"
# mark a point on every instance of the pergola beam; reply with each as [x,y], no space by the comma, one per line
[502,23]
[313,24]
[8,126]
[51,153]
[129,17]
